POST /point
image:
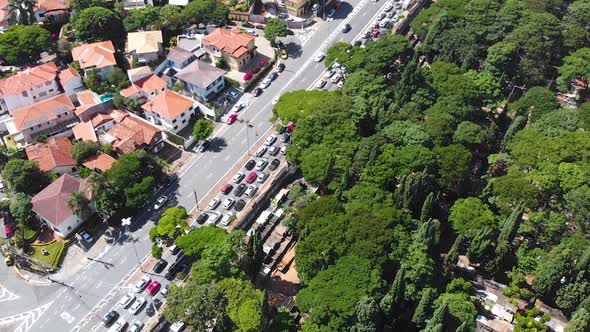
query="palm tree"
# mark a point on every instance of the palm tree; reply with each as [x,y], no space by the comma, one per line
[79,204]
[23,11]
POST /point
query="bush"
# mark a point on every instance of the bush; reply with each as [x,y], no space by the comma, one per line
[174,138]
[156,251]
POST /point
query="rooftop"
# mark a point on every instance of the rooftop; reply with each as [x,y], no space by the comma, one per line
[28,78]
[200,74]
[102,162]
[144,41]
[67,74]
[49,5]
[56,152]
[131,134]
[84,131]
[232,41]
[168,104]
[179,55]
[42,111]
[52,202]
[98,55]
[148,85]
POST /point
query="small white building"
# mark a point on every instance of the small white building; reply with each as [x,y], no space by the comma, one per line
[170,110]
[28,86]
[98,56]
[145,46]
[145,88]
[51,204]
[135,74]
[71,81]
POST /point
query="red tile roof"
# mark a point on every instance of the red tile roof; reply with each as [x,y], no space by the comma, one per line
[67,74]
[168,104]
[42,111]
[101,162]
[99,55]
[56,152]
[132,133]
[28,78]
[49,5]
[84,131]
[231,41]
[52,202]
[149,84]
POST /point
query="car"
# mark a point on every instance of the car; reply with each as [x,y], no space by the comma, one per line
[367,34]
[9,260]
[283,16]
[273,76]
[384,23]
[240,205]
[283,149]
[285,137]
[213,217]
[136,326]
[119,325]
[259,26]
[177,327]
[231,95]
[142,284]
[321,83]
[110,318]
[390,14]
[398,5]
[251,177]
[174,249]
[227,218]
[357,43]
[340,84]
[214,203]
[87,237]
[229,202]
[280,67]
[256,92]
[151,309]
[137,306]
[329,74]
[262,177]
[160,265]
[284,54]
[265,83]
[261,164]
[204,146]
[153,288]
[8,231]
[232,118]
[290,32]
[375,33]
[273,150]
[380,16]
[247,25]
[336,78]
[238,177]
[388,7]
[157,303]
[331,14]
[346,28]
[238,107]
[274,164]
[250,164]
[251,190]
[319,57]
[160,202]
[165,290]
[227,188]
[270,140]
[240,189]
[275,100]
[261,151]
[202,218]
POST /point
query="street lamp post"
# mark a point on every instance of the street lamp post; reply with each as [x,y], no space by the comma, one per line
[196,199]
[126,222]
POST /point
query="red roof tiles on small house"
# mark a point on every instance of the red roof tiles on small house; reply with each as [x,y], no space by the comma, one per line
[98,55]
[42,111]
[67,74]
[231,41]
[51,203]
[56,152]
[101,162]
[28,78]
[132,133]
[168,104]
[149,85]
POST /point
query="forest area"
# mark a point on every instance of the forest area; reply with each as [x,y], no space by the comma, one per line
[458,146]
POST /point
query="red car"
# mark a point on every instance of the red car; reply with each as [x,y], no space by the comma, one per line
[8,231]
[226,189]
[153,288]
[232,118]
[251,177]
[375,33]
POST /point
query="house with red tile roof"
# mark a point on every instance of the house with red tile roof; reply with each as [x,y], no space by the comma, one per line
[99,56]
[28,86]
[54,155]
[133,133]
[51,11]
[102,162]
[170,110]
[51,204]
[89,129]
[233,46]
[70,81]
[145,88]
[50,117]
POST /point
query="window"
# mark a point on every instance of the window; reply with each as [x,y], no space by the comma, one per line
[175,127]
[182,114]
[50,90]
[183,121]
[174,121]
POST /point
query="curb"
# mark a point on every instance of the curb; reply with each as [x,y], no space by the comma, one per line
[29,280]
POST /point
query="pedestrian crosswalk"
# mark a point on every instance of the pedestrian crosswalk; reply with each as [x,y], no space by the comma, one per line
[23,321]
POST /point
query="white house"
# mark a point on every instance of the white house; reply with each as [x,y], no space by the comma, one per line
[70,81]
[170,110]
[51,204]
[28,86]
[99,56]
[145,46]
[145,88]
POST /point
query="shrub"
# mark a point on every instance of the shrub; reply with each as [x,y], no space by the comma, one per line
[156,251]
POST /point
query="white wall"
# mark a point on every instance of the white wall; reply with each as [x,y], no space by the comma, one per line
[170,124]
[67,227]
[102,72]
[72,86]
[37,93]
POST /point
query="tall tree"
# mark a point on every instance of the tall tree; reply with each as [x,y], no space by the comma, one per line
[23,44]
[394,296]
[22,208]
[450,260]
[368,316]
[24,176]
[424,309]
[98,24]
[83,150]
[200,306]
[575,66]
[79,204]
[426,211]
[275,28]
[203,129]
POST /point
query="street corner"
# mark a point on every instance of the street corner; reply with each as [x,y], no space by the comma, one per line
[24,321]
[31,278]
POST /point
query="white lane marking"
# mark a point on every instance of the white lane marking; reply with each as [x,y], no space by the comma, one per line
[98,285]
[209,176]
[123,260]
[6,295]
[28,318]
[227,157]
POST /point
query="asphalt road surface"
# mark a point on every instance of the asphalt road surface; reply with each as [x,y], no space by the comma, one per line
[80,303]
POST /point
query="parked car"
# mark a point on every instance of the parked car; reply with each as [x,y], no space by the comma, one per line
[261,164]
[227,218]
[247,25]
[202,218]
[240,189]
[319,57]
[284,149]
[274,164]
[238,177]
[238,107]
[336,78]
[251,177]
[257,92]
[346,28]
[273,150]
[177,327]
[228,202]
[331,14]
[151,309]
[142,284]
[226,189]
[321,84]
[110,318]
[232,95]
[174,249]
[240,205]
[165,290]
[388,7]
[280,67]
[285,137]
[380,16]
[270,140]
[262,177]
[153,288]
[232,118]
[213,217]
[87,237]
[160,265]
[273,76]
[204,146]
[265,83]
[251,190]
[157,303]
[136,326]
[119,325]
[261,151]
[214,203]
[329,74]
[160,202]
[137,306]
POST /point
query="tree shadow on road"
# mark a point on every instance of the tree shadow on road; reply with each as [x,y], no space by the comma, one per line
[218,144]
[295,50]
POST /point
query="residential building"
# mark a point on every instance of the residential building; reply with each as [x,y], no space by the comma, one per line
[90,104]
[135,74]
[136,4]
[233,46]
[51,11]
[51,204]
[70,81]
[53,155]
[99,122]
[145,46]
[102,162]
[28,86]
[133,133]
[192,43]
[176,60]
[144,89]
[99,56]
[202,80]
[296,7]
[50,117]
[6,18]
[170,110]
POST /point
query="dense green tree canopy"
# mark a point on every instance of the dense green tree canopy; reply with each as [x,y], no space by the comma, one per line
[97,24]
[23,44]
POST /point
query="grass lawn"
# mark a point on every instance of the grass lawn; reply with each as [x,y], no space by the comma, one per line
[30,234]
[55,249]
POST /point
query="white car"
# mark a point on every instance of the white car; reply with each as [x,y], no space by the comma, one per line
[137,306]
[284,150]
[177,327]
[142,284]
[262,177]
[261,151]
[253,32]
[384,23]
[321,84]
[228,203]
[238,177]
[320,57]
[251,190]
[119,325]
[336,78]
[127,300]
[273,150]
[238,107]
[160,202]
[388,7]
[136,326]
[214,203]
[265,83]
[330,73]
[227,218]
[261,164]
[340,84]
[213,217]
[270,140]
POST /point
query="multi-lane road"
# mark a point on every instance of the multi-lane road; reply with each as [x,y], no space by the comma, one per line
[79,304]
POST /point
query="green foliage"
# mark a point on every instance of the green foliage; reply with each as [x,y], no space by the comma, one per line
[275,28]
[171,17]
[98,24]
[118,78]
[83,150]
[204,12]
[575,66]
[147,18]
[156,251]
[300,104]
[469,215]
[23,44]
[244,304]
[580,321]
[24,176]
[195,242]
[470,133]
[199,306]
[537,100]
[368,316]
[172,224]
[80,205]
[424,309]
[21,209]
[203,129]
[140,192]
[532,321]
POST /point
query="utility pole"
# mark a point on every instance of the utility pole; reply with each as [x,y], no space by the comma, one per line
[126,222]
[196,199]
